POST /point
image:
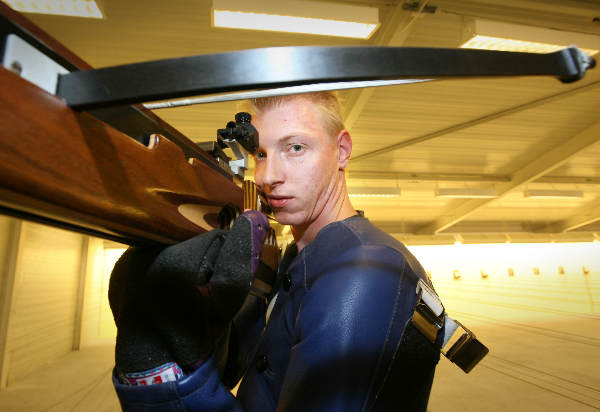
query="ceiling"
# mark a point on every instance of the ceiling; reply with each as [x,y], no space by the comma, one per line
[509,135]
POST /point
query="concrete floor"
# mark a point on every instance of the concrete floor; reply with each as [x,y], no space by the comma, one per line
[543,333]
[77,382]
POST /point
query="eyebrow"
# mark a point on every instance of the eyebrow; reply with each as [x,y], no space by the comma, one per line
[289,137]
[285,139]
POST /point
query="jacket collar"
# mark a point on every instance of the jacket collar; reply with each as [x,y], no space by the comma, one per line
[330,242]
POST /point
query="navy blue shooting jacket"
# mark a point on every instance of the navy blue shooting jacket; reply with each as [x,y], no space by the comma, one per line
[339,336]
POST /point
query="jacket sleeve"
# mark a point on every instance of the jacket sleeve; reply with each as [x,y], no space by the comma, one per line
[201,391]
[348,329]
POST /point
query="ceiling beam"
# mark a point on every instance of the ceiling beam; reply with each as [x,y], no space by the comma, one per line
[393,32]
[566,15]
[589,213]
[429,177]
[483,227]
[479,238]
[496,235]
[465,177]
[537,166]
[577,180]
[483,119]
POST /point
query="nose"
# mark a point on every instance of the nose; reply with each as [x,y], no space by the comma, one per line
[269,173]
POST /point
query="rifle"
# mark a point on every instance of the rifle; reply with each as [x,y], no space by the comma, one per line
[85,155]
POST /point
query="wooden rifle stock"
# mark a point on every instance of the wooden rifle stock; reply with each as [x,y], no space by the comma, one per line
[69,169]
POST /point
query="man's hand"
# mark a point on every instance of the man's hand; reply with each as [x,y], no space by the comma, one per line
[171,304]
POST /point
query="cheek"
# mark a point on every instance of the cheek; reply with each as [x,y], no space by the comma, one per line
[312,175]
[316,179]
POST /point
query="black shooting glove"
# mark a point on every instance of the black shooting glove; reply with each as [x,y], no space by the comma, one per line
[172,304]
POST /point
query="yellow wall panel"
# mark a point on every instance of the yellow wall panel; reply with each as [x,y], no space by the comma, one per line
[97,322]
[43,311]
[5,225]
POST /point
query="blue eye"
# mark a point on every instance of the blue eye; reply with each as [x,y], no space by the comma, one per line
[296,148]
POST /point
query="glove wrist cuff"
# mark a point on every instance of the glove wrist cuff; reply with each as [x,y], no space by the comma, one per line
[168,372]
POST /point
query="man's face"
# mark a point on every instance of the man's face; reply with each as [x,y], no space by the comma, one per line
[297,162]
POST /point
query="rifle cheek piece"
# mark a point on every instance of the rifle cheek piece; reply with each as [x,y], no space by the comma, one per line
[266,272]
[256,206]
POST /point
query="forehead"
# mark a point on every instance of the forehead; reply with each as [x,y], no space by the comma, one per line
[297,116]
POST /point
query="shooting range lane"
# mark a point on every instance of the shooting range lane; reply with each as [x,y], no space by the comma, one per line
[543,338]
[537,307]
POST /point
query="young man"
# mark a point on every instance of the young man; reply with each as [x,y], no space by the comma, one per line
[337,336]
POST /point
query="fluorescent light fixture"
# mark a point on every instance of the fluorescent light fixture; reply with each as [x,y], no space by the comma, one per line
[465,193]
[374,192]
[492,35]
[73,8]
[297,16]
[553,194]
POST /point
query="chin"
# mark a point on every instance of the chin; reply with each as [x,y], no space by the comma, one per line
[288,218]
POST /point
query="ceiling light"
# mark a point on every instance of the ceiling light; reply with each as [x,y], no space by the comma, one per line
[74,8]
[553,194]
[465,193]
[492,35]
[297,16]
[374,192]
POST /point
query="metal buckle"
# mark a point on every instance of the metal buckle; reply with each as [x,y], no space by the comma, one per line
[428,316]
[465,350]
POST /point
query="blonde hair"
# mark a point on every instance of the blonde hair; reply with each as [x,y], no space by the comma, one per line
[326,102]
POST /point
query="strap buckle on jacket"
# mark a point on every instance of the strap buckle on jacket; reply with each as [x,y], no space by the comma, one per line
[459,344]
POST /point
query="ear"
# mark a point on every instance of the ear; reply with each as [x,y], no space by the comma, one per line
[344,146]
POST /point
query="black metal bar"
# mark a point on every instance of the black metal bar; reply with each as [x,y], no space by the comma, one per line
[291,66]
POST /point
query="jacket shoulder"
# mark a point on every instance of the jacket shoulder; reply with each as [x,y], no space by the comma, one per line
[357,245]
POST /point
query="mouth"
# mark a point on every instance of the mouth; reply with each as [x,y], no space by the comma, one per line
[278,201]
